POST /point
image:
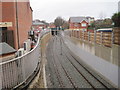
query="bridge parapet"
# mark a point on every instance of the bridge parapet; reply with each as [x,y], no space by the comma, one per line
[17,71]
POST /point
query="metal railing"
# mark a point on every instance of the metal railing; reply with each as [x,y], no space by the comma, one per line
[18,70]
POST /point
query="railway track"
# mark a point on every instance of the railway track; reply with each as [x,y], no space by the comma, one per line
[94,77]
[63,61]
[56,71]
[71,81]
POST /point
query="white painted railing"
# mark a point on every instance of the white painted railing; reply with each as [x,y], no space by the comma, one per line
[16,71]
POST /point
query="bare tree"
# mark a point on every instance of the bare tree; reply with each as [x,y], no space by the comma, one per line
[59,22]
[65,25]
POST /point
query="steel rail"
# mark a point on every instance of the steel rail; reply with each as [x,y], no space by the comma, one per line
[85,69]
[68,76]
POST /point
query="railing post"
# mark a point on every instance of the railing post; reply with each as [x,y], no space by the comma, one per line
[94,36]
[88,36]
[83,35]
[72,33]
[101,37]
[112,38]
[76,33]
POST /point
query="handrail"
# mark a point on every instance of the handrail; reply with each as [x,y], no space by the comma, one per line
[17,70]
[1,63]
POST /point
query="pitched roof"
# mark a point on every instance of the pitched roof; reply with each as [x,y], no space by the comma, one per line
[38,23]
[6,49]
[77,19]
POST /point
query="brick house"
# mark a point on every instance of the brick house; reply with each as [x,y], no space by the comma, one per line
[17,17]
[78,23]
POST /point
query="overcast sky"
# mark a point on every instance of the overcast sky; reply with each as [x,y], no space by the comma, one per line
[49,9]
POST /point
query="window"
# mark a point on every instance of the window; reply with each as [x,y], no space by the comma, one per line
[83,25]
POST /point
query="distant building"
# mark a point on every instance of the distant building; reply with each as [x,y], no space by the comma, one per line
[52,25]
[80,23]
[119,6]
[7,52]
[90,20]
[37,24]
[16,17]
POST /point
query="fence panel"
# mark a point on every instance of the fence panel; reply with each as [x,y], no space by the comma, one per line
[92,37]
[102,38]
[107,39]
[81,34]
[98,37]
[116,34]
[75,33]
[85,36]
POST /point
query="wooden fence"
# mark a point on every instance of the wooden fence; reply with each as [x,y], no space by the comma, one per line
[107,39]
[116,34]
[91,35]
[101,38]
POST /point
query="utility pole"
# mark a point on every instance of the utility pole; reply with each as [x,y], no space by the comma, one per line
[17,24]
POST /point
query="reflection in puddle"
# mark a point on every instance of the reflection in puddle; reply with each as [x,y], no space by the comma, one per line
[106,53]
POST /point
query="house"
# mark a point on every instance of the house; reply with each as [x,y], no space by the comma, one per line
[78,23]
[17,18]
[7,52]
[38,24]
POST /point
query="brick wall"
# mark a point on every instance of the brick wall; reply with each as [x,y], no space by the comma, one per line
[24,21]
[24,14]
[77,25]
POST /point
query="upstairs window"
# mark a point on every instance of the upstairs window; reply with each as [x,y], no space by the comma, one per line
[83,25]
